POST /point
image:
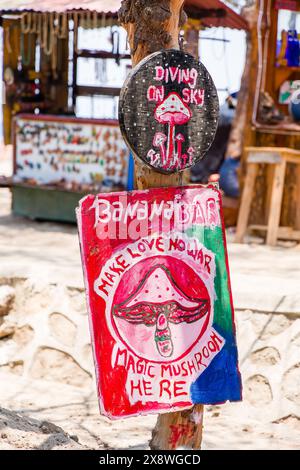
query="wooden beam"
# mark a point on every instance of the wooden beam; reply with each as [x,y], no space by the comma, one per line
[88,54]
[83,90]
[264,157]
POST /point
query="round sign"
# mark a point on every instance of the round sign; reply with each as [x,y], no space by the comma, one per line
[154,313]
[169,110]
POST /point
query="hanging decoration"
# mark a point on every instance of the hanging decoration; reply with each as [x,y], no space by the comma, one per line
[115,40]
[47,25]
[50,27]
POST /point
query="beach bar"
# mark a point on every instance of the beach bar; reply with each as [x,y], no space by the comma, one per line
[63,66]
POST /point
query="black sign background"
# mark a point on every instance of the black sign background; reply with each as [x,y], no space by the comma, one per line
[148,130]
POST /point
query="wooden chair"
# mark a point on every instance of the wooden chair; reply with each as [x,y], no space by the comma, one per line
[279,157]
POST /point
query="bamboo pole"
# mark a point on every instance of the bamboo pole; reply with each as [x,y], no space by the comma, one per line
[151,28]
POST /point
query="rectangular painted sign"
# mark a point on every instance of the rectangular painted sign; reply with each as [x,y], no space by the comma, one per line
[159,299]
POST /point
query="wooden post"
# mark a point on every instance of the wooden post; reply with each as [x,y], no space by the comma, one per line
[244,109]
[246,201]
[276,203]
[151,28]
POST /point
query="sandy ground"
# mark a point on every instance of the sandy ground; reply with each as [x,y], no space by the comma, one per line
[47,386]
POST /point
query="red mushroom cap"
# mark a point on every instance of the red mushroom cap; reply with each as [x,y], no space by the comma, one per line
[158,293]
[158,288]
[173,111]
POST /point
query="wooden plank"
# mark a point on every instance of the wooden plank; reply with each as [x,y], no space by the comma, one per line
[291,158]
[284,233]
[280,150]
[272,158]
[82,90]
[245,207]
[258,227]
[275,205]
[272,155]
[287,233]
[269,179]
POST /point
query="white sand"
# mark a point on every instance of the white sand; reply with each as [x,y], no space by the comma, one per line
[46,370]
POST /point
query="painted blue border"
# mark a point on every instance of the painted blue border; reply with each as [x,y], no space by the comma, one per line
[221,381]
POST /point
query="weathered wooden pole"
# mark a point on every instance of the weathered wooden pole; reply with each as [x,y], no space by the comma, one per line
[152,26]
[240,130]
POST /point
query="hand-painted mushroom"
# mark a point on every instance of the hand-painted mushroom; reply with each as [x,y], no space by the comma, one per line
[159,141]
[158,300]
[172,111]
[191,152]
[179,139]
